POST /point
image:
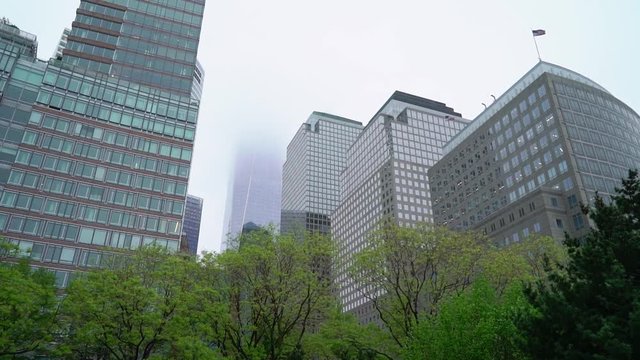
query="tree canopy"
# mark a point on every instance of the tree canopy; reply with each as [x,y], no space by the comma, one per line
[591,308]
[28,306]
[413,269]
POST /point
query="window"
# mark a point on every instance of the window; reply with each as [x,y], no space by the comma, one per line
[559,224]
[567,184]
[578,221]
[563,167]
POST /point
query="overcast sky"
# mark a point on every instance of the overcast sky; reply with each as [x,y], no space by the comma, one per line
[269,64]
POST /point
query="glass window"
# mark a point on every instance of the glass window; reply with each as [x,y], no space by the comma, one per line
[86,235]
[8,199]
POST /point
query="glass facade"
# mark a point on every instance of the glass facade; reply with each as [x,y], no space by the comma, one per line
[191,228]
[23,42]
[528,166]
[311,173]
[385,178]
[90,162]
[146,42]
[254,193]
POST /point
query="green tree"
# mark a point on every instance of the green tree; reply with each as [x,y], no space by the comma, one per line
[476,324]
[28,306]
[411,270]
[342,337]
[277,289]
[152,304]
[415,268]
[591,308]
[526,261]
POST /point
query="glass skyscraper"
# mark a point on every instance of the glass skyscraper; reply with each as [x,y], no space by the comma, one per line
[254,194]
[311,174]
[525,164]
[96,148]
[385,178]
[151,43]
[191,227]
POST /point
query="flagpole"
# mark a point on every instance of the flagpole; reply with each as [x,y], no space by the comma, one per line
[537,51]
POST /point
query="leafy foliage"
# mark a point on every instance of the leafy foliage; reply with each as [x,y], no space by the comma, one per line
[28,307]
[476,324]
[591,309]
[152,305]
[342,337]
[277,289]
[413,269]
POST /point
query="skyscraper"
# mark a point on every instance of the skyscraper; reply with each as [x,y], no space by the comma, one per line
[62,44]
[525,164]
[151,43]
[254,194]
[191,224]
[385,178]
[26,43]
[311,174]
[92,160]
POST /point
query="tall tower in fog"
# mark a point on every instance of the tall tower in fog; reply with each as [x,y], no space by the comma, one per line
[254,192]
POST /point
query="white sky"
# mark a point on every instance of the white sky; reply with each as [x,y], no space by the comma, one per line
[269,64]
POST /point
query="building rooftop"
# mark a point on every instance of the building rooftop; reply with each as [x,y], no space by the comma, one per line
[6,25]
[334,117]
[532,75]
[418,101]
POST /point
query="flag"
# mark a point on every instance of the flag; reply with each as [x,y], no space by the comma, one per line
[538,32]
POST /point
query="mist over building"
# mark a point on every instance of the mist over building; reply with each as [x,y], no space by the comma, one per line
[254,192]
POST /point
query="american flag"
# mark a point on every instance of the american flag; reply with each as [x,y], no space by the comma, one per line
[538,32]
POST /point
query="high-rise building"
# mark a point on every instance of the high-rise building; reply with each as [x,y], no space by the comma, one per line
[525,164]
[62,44]
[26,43]
[191,224]
[151,43]
[91,160]
[254,194]
[311,174]
[385,178]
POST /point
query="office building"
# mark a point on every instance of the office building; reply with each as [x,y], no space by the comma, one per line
[254,193]
[26,44]
[191,224]
[152,43]
[385,178]
[311,173]
[526,163]
[62,44]
[90,159]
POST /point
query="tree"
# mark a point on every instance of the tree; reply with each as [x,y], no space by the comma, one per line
[526,261]
[591,308]
[342,337]
[152,304]
[476,324]
[407,272]
[28,306]
[276,289]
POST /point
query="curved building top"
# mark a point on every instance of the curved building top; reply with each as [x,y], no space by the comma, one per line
[533,74]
